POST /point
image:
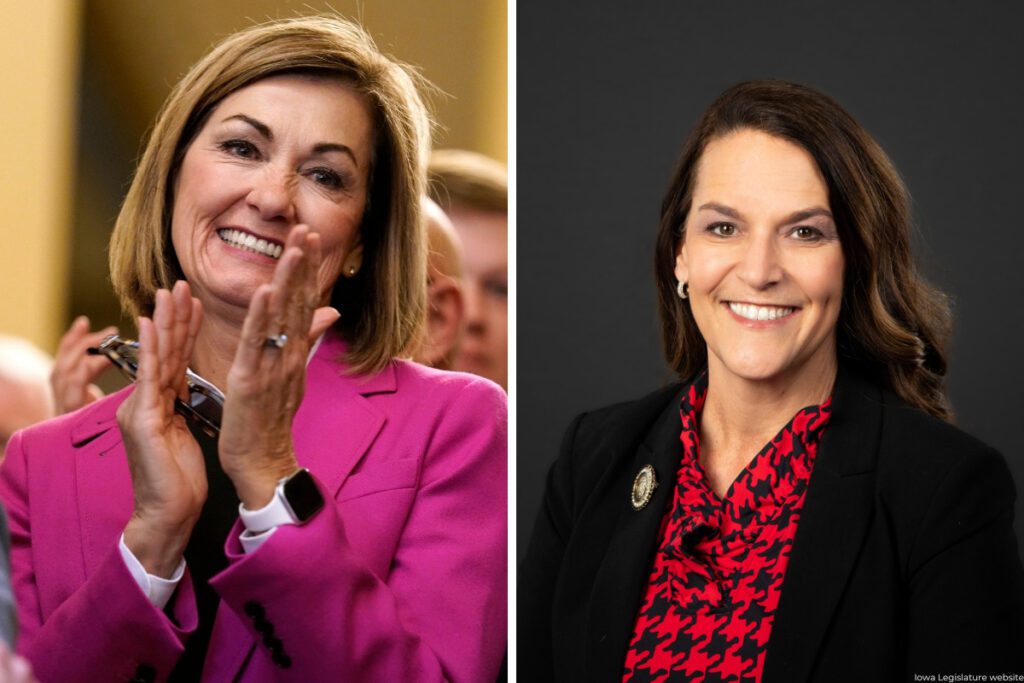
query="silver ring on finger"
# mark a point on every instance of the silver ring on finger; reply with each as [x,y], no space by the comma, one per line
[276,341]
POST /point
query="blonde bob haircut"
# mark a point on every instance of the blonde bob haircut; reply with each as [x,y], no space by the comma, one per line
[383,304]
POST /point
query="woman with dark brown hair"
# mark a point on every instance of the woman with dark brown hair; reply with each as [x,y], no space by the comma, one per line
[799,507]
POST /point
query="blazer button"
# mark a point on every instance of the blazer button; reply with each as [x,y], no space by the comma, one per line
[254,609]
[265,627]
[282,660]
[273,644]
[144,674]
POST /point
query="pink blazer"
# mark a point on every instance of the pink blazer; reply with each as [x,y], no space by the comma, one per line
[402,579]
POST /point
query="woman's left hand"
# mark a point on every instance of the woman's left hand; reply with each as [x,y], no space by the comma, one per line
[265,384]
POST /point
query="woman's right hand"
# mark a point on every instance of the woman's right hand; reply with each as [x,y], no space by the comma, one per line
[167,468]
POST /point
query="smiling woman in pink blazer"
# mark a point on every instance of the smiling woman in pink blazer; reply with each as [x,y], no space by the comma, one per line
[280,186]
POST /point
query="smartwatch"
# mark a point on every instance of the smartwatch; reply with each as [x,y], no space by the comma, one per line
[296,500]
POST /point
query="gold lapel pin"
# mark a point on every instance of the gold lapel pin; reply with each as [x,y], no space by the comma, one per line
[643,487]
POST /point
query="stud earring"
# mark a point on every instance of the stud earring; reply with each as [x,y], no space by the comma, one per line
[351,271]
[683,289]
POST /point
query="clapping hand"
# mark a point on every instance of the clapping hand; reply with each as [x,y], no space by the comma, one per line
[166,463]
[265,384]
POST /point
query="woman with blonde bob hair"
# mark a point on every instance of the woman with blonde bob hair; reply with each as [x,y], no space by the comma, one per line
[798,507]
[141,261]
[340,513]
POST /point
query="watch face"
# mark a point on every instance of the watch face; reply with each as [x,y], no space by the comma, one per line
[303,496]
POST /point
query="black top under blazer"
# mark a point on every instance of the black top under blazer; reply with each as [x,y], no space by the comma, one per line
[904,560]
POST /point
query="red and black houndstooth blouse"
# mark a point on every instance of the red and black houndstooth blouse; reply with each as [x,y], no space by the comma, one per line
[707,613]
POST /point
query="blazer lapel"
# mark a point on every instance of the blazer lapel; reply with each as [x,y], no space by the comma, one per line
[622,578]
[336,424]
[833,523]
[104,485]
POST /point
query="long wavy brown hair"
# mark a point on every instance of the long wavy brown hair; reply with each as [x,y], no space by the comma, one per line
[893,326]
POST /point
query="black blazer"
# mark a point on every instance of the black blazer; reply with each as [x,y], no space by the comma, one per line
[904,561]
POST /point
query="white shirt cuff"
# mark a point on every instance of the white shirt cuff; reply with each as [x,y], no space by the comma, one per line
[260,524]
[158,590]
[251,540]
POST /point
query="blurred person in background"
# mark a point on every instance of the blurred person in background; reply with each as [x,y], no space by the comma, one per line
[74,372]
[445,305]
[25,396]
[473,191]
[35,387]
[8,613]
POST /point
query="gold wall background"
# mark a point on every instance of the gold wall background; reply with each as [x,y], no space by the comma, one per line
[82,82]
[39,58]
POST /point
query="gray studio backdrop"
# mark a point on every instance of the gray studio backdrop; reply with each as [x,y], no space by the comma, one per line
[607,92]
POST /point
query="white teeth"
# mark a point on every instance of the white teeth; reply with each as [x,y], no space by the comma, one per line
[244,240]
[751,312]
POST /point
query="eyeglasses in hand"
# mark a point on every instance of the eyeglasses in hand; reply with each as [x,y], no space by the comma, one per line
[205,405]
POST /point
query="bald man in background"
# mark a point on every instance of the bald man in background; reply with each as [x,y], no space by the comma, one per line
[473,191]
[440,338]
[25,396]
